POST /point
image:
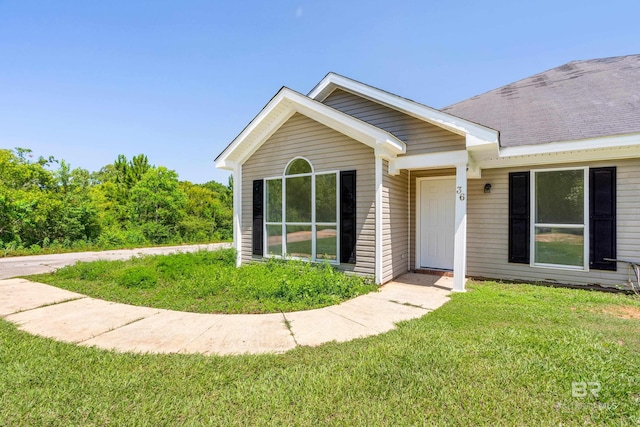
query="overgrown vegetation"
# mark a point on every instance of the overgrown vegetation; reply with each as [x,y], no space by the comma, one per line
[499,355]
[45,206]
[209,282]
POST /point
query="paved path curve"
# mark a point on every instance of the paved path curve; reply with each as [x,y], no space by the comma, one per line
[36,264]
[67,316]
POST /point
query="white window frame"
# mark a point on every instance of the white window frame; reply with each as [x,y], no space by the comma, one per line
[313,224]
[584,226]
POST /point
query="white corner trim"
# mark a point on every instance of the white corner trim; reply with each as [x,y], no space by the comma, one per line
[286,103]
[460,239]
[420,111]
[409,220]
[429,160]
[473,170]
[378,219]
[237,213]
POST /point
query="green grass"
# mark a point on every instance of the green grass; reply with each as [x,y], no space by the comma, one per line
[209,282]
[560,253]
[499,355]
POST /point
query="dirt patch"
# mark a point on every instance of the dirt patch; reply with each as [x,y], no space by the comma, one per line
[302,236]
[623,312]
[560,237]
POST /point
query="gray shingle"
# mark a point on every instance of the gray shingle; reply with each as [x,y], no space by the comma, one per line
[578,100]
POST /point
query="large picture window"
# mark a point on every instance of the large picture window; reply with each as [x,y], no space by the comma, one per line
[301,212]
[559,225]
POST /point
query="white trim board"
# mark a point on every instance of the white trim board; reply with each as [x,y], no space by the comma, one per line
[428,161]
[288,102]
[332,81]
[237,213]
[378,219]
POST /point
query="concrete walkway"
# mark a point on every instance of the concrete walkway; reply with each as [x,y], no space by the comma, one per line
[67,316]
[36,264]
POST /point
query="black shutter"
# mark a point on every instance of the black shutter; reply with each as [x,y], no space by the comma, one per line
[258,216]
[519,217]
[348,217]
[602,218]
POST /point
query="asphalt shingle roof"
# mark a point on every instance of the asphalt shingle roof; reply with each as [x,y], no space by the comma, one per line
[578,100]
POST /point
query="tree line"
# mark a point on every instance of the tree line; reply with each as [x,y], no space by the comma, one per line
[45,204]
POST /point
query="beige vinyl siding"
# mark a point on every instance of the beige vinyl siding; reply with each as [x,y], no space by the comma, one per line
[412,206]
[395,232]
[327,150]
[420,136]
[487,232]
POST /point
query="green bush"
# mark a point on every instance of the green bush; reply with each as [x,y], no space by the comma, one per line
[134,236]
[111,237]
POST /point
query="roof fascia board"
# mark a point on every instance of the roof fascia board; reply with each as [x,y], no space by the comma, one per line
[558,158]
[264,134]
[381,141]
[608,150]
[576,145]
[222,158]
[431,115]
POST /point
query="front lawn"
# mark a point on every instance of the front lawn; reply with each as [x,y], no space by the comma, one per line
[209,282]
[497,355]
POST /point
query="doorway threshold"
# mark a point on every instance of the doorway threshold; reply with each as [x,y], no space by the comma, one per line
[435,272]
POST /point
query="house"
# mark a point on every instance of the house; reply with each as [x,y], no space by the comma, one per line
[538,180]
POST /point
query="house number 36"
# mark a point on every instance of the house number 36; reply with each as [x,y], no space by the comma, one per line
[460,193]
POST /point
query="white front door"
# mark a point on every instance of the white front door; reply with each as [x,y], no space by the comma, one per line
[437,218]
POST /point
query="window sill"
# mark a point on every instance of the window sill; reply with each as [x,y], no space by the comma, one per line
[560,267]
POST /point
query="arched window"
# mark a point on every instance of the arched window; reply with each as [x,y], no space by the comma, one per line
[301,213]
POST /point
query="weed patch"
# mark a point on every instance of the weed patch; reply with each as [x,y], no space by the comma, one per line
[209,282]
[137,277]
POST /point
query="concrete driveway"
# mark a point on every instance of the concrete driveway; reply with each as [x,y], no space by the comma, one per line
[36,264]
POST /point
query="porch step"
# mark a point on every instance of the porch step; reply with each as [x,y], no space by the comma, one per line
[435,272]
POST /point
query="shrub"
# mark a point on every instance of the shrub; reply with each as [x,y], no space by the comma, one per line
[134,236]
[111,237]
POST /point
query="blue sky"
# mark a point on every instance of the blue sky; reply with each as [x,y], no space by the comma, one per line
[85,81]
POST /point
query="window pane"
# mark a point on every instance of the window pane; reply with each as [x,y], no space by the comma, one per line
[299,241]
[326,198]
[298,166]
[298,199]
[326,243]
[274,200]
[560,197]
[274,239]
[562,246]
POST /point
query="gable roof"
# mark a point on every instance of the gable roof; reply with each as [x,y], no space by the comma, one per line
[477,134]
[578,100]
[285,104]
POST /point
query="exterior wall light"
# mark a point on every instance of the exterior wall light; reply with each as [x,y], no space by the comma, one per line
[487,188]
